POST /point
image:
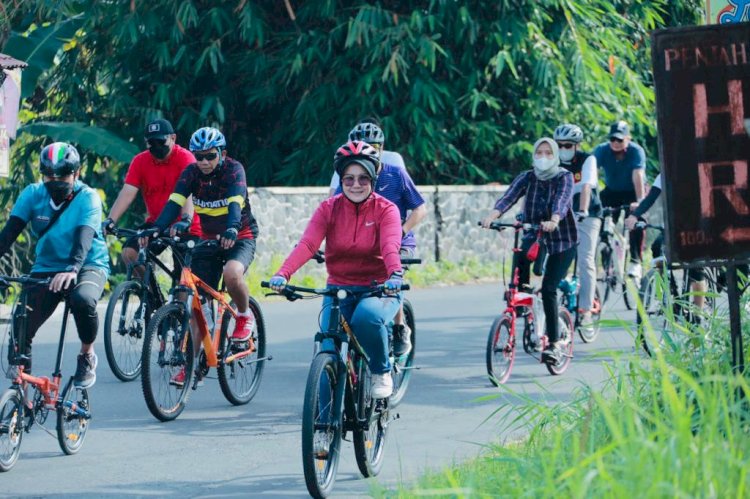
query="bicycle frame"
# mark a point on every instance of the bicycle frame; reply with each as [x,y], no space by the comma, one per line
[615,239]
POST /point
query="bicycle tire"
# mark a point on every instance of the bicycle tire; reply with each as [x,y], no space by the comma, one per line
[320,471]
[501,351]
[369,437]
[402,368]
[589,336]
[11,428]
[653,306]
[565,324]
[231,376]
[161,362]
[73,415]
[123,343]
[604,261]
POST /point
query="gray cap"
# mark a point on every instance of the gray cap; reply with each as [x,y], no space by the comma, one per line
[619,130]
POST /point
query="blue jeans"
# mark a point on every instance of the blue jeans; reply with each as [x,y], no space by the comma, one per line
[368,318]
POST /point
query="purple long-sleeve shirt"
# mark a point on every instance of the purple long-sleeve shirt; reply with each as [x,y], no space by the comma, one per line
[545,198]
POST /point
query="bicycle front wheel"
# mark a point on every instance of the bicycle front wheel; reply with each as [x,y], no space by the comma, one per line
[651,326]
[404,365]
[11,428]
[73,415]
[167,362]
[501,351]
[124,327]
[321,426]
[240,378]
[565,330]
[605,270]
[371,427]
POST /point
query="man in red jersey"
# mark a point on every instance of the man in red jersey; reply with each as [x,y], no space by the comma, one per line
[154,173]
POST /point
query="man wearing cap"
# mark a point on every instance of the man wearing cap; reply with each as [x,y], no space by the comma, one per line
[154,173]
[624,164]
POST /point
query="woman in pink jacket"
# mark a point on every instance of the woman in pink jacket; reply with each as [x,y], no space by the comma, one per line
[362,231]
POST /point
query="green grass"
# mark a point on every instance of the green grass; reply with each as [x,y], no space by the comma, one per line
[672,426]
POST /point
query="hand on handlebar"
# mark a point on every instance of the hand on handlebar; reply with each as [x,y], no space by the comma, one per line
[146,235]
[61,281]
[394,283]
[108,226]
[549,225]
[630,222]
[493,215]
[277,283]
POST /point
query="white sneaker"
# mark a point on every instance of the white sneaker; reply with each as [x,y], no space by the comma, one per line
[587,322]
[382,386]
[635,271]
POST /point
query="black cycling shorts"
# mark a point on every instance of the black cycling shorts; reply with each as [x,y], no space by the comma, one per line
[208,263]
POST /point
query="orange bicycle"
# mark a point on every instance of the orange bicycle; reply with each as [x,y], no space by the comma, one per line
[168,362]
[18,411]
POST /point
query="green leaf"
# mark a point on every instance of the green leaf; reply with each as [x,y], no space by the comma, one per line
[98,140]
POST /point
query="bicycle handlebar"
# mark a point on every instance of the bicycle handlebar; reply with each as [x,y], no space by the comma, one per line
[320,258]
[609,210]
[5,280]
[644,225]
[498,226]
[292,293]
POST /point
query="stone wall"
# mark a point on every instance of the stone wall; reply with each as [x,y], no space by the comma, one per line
[449,232]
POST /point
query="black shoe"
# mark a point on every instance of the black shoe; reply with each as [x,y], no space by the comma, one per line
[401,340]
[551,355]
[85,376]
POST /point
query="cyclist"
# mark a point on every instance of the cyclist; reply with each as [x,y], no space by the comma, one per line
[548,191]
[395,184]
[696,275]
[624,164]
[359,132]
[219,190]
[588,209]
[65,215]
[154,174]
[362,231]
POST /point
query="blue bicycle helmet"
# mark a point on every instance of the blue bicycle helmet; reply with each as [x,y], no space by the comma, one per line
[207,138]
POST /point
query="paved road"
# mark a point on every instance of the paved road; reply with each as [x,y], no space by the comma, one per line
[215,449]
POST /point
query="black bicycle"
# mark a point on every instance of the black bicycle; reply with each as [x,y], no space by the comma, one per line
[612,253]
[338,397]
[130,308]
[19,412]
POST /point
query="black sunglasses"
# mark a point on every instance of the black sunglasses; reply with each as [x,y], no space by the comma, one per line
[209,156]
[615,139]
[565,146]
[156,142]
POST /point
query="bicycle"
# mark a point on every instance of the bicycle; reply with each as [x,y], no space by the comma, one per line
[337,397]
[168,347]
[403,365]
[130,308]
[570,288]
[18,412]
[501,341]
[664,298]
[611,254]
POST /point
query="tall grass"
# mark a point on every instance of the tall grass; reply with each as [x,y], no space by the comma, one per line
[675,425]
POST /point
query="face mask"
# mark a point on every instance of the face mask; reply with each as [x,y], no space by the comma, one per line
[566,155]
[159,151]
[543,164]
[58,190]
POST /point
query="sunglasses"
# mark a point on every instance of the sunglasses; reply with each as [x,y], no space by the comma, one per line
[348,180]
[615,139]
[209,156]
[565,146]
[57,173]
[156,142]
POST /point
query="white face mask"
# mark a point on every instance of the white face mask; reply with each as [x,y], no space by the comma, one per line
[543,164]
[566,155]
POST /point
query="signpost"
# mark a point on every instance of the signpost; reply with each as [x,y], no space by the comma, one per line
[10,93]
[702,78]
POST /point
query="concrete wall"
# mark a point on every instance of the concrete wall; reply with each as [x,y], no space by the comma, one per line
[450,231]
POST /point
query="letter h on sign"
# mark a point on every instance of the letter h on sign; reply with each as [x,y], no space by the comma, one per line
[735,108]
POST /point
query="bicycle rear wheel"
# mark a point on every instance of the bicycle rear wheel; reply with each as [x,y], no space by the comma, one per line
[240,378]
[565,325]
[403,366]
[124,327]
[371,427]
[321,426]
[73,415]
[605,270]
[11,428]
[167,362]
[501,351]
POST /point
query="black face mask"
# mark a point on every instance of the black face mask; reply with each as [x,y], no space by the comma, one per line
[59,190]
[159,151]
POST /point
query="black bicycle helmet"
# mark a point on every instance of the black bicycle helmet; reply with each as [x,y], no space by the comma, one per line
[59,159]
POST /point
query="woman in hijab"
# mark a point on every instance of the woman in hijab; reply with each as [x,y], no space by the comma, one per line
[549,193]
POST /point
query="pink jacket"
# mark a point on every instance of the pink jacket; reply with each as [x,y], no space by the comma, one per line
[362,241]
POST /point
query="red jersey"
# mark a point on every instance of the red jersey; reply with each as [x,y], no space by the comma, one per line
[156,180]
[362,241]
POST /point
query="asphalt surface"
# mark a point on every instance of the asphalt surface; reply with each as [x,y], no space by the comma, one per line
[215,449]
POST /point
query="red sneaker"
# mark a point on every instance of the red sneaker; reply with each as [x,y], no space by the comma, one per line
[178,379]
[243,328]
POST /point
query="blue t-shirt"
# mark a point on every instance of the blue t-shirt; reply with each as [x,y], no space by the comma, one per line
[395,184]
[54,247]
[618,174]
